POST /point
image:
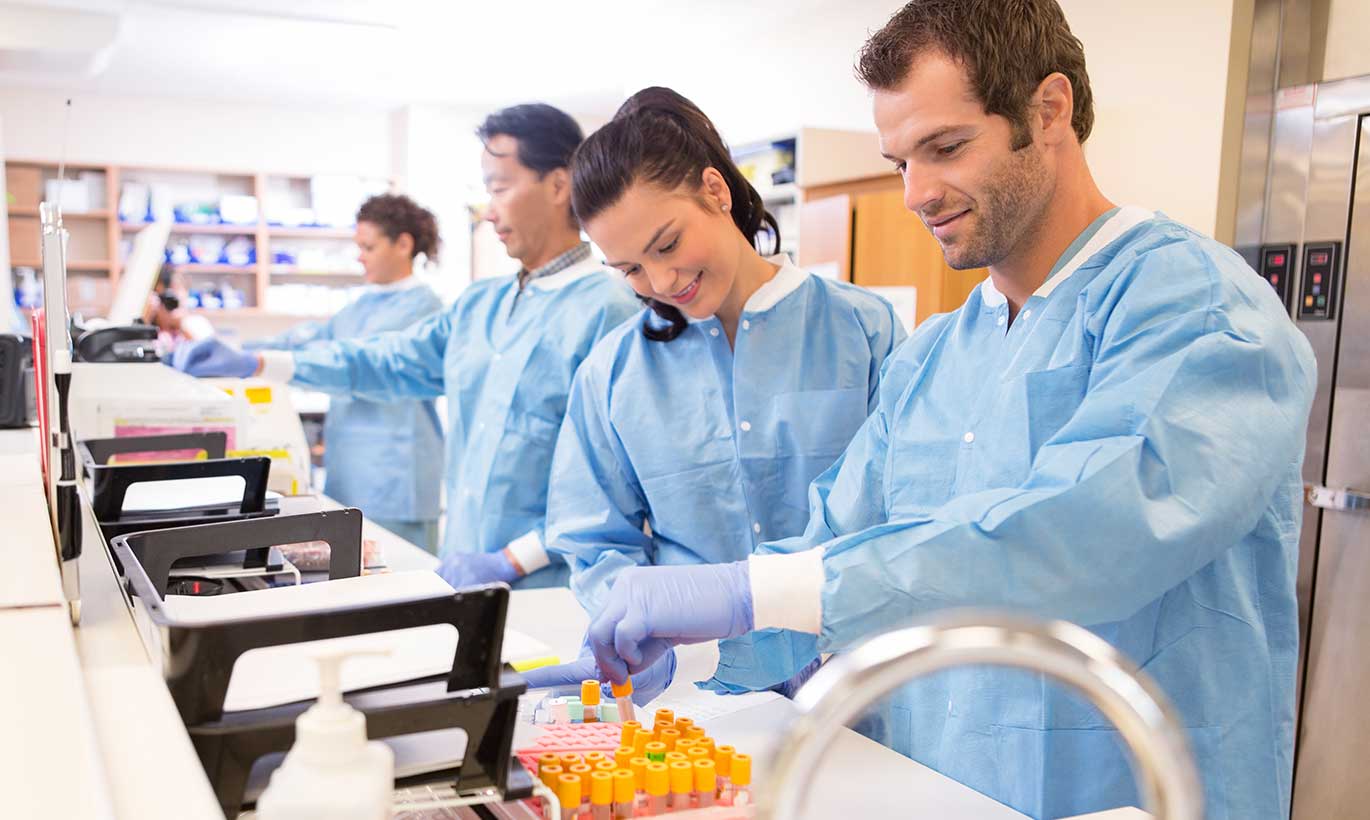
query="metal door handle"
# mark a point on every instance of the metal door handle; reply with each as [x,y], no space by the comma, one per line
[1330,499]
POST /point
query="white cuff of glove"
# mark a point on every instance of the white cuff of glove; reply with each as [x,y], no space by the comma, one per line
[277,365]
[528,553]
[787,590]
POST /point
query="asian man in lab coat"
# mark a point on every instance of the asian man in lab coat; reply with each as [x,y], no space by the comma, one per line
[1108,431]
[503,354]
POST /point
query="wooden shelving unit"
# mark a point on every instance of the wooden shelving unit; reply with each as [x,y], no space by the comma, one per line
[96,234]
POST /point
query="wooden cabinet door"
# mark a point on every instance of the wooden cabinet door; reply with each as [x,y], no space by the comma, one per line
[892,247]
[825,234]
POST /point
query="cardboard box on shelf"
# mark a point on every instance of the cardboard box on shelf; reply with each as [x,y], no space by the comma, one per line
[25,239]
[25,184]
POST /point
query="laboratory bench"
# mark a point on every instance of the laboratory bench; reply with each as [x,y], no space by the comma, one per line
[90,730]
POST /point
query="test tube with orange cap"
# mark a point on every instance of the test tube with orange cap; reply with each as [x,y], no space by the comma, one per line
[569,759]
[706,781]
[594,757]
[640,741]
[568,794]
[665,716]
[695,733]
[675,757]
[658,786]
[625,794]
[630,728]
[623,699]
[682,785]
[742,780]
[696,753]
[601,794]
[683,725]
[622,755]
[548,759]
[684,744]
[589,697]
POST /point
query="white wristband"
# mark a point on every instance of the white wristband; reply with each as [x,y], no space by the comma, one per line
[277,365]
[528,552]
[787,590]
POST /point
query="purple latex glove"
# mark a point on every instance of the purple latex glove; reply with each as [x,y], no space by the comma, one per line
[211,357]
[566,678]
[651,609]
[467,569]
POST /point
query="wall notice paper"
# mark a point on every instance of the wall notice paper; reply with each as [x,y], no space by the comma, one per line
[275,675]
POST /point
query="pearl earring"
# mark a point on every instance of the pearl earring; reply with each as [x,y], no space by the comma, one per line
[726,207]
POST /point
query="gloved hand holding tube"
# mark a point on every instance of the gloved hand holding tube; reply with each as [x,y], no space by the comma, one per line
[652,609]
[566,678]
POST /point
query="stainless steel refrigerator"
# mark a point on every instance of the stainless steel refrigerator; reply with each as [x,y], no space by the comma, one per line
[1315,252]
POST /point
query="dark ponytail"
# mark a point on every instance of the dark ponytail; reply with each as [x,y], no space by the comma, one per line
[395,214]
[661,138]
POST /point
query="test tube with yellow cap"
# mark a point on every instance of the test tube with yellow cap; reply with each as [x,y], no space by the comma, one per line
[630,728]
[684,744]
[665,716]
[706,782]
[656,751]
[569,759]
[548,775]
[601,795]
[639,766]
[592,758]
[568,794]
[622,755]
[683,725]
[548,759]
[623,699]
[742,780]
[658,786]
[589,697]
[669,737]
[682,785]
[723,760]
[675,757]
[640,741]
[695,733]
[697,753]
[582,770]
[625,794]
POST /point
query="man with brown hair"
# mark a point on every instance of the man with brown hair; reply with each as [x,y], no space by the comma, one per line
[1108,431]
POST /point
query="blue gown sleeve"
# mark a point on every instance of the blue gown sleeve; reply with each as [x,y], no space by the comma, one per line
[596,507]
[404,364]
[1193,410]
[301,335]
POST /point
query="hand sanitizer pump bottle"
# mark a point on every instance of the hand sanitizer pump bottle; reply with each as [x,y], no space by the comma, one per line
[331,771]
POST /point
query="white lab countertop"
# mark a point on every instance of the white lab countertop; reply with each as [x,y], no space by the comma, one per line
[90,702]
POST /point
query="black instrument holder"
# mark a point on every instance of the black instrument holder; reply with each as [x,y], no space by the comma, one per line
[110,482]
[478,695]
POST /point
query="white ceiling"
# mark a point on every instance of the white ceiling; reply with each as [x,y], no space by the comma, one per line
[585,56]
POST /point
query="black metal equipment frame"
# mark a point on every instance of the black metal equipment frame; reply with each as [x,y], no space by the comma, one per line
[110,482]
[478,695]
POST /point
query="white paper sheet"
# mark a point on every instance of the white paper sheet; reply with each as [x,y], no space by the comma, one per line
[284,674]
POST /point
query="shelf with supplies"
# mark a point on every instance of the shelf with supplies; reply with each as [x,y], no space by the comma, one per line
[191,228]
[279,216]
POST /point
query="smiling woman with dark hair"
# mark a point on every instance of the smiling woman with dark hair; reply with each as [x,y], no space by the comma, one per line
[708,415]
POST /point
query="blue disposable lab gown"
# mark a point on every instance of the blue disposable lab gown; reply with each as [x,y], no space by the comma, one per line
[505,360]
[714,447]
[1125,455]
[382,456]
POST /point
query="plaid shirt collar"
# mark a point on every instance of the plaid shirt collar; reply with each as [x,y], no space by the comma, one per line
[574,256]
